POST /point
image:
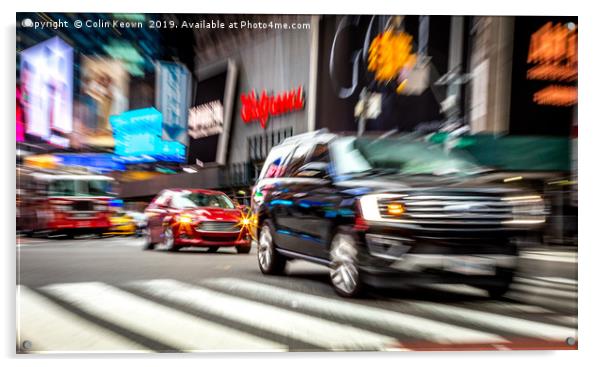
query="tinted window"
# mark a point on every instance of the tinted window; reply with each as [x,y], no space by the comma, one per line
[80,188]
[195,199]
[319,154]
[274,163]
[163,199]
[298,159]
[62,188]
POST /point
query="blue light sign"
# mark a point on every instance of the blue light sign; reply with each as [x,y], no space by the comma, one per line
[138,133]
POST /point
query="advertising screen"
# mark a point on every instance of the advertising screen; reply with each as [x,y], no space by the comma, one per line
[173,84]
[209,118]
[138,133]
[104,92]
[47,88]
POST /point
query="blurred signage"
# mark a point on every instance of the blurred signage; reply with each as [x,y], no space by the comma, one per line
[210,117]
[47,89]
[20,127]
[553,51]
[99,162]
[173,82]
[104,92]
[206,120]
[138,133]
[261,108]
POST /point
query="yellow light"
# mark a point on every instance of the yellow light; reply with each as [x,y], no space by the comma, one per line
[523,198]
[510,179]
[395,209]
[247,224]
[185,219]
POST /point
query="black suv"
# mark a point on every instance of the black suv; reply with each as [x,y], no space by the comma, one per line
[388,211]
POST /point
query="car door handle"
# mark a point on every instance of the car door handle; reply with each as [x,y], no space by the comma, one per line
[300,195]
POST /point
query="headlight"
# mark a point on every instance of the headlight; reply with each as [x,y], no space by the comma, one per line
[378,207]
[528,209]
[184,219]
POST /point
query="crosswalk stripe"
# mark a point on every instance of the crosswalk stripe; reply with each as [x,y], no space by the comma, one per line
[546,301]
[505,307]
[50,328]
[458,288]
[556,280]
[396,322]
[542,291]
[156,321]
[504,323]
[295,325]
[543,282]
[566,258]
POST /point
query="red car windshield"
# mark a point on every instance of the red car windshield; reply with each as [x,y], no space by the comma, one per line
[195,200]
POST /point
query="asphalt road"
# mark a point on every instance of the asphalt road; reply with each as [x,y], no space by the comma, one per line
[100,295]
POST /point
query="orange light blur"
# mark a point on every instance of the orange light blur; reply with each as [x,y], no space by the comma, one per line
[556,95]
[391,52]
[395,209]
[248,224]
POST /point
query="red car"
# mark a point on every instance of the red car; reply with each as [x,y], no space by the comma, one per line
[180,218]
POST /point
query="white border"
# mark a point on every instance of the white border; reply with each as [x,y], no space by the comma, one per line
[589,146]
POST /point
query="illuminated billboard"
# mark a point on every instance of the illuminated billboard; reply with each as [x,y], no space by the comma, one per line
[209,118]
[104,92]
[173,81]
[138,134]
[46,80]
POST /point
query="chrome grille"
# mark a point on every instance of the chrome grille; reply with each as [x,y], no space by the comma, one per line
[218,227]
[450,211]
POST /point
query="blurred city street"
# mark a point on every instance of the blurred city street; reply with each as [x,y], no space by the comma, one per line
[110,295]
[265,182]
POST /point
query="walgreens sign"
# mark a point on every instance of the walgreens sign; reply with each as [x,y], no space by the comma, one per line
[261,108]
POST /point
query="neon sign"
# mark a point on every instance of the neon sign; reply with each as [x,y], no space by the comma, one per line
[553,50]
[260,109]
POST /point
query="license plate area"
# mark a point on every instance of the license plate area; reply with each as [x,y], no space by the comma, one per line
[470,265]
[82,215]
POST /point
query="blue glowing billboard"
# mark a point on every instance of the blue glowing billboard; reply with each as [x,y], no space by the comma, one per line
[138,134]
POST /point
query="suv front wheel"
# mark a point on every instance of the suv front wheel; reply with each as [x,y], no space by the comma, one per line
[344,271]
[270,261]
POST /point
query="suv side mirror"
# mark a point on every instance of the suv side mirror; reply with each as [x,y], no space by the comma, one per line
[314,170]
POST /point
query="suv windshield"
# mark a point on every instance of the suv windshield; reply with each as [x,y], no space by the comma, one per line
[80,188]
[195,199]
[398,156]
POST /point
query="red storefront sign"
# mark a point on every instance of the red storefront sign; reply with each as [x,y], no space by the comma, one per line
[260,109]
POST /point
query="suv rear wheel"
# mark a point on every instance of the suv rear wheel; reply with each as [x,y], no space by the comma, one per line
[344,271]
[270,261]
